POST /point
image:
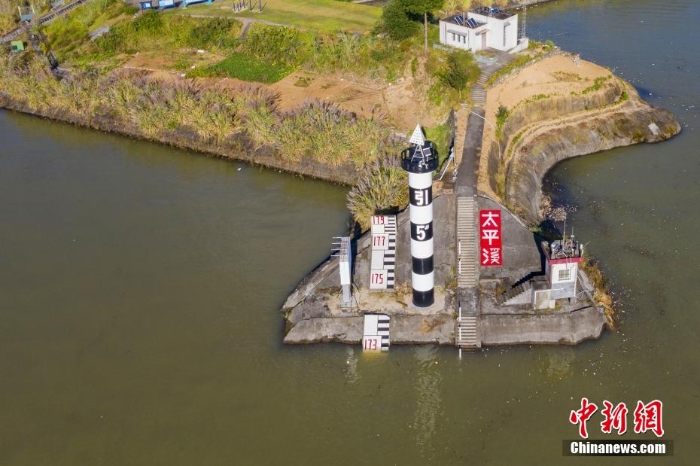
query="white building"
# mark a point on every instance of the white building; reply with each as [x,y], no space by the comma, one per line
[482,29]
[562,259]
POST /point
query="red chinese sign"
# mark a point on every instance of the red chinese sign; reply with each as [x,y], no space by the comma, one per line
[490,249]
[647,417]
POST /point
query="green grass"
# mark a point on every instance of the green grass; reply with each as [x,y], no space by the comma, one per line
[68,33]
[244,68]
[519,62]
[441,136]
[597,85]
[323,15]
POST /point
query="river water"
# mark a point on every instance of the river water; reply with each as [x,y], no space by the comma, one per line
[139,289]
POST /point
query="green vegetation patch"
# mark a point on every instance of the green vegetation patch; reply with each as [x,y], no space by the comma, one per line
[460,71]
[381,189]
[597,84]
[452,73]
[520,61]
[322,15]
[280,46]
[245,68]
[68,33]
[441,135]
[501,116]
[566,76]
[150,31]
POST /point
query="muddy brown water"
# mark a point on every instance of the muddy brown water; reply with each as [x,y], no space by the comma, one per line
[139,289]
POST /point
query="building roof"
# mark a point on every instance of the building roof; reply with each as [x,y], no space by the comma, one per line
[492,12]
[563,250]
[463,21]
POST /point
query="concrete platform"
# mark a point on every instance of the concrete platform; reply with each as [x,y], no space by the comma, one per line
[314,313]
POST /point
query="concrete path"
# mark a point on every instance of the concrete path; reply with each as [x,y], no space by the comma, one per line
[467,332]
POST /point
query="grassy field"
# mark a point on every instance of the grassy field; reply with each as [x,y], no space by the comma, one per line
[323,15]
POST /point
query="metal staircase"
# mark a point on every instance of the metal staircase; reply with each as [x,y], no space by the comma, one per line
[467,333]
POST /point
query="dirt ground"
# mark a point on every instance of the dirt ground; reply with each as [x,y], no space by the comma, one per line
[559,74]
[556,75]
[394,101]
[399,102]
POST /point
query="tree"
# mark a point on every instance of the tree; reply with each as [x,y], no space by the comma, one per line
[422,7]
[396,23]
[452,6]
[457,74]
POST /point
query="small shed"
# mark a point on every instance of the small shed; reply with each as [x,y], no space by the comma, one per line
[17,46]
[480,29]
[562,259]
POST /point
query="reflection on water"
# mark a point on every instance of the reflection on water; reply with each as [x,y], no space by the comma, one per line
[427,384]
[351,372]
[556,365]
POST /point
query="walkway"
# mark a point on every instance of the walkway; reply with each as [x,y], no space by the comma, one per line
[467,332]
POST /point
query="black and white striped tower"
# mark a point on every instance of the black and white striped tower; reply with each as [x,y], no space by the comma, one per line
[420,161]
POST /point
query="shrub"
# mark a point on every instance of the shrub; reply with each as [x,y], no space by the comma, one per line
[150,22]
[332,135]
[217,32]
[501,117]
[381,189]
[396,23]
[245,68]
[460,70]
[280,46]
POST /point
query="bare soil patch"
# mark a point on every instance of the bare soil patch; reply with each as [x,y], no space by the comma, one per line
[556,75]
[401,103]
[559,75]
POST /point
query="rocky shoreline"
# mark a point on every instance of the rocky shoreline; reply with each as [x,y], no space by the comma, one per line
[542,133]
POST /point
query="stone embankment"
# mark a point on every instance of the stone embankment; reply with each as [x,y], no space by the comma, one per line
[313,312]
[546,144]
[545,129]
